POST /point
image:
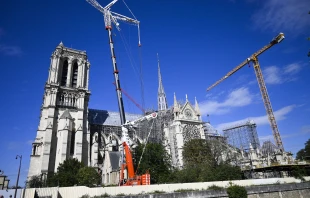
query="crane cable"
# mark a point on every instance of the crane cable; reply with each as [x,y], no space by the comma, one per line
[140,58]
[127,104]
[147,138]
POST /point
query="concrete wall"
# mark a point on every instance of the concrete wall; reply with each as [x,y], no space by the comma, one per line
[76,192]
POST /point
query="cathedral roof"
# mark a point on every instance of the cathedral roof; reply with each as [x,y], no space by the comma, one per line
[104,117]
[114,159]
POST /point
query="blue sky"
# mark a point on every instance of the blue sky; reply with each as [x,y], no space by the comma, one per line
[198,42]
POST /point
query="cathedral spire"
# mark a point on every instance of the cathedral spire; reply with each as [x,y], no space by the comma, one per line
[162,101]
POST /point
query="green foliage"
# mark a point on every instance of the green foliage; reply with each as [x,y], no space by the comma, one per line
[35,182]
[67,172]
[88,176]
[214,187]
[201,150]
[85,196]
[304,153]
[184,190]
[299,173]
[235,191]
[203,162]
[155,160]
[101,196]
[158,192]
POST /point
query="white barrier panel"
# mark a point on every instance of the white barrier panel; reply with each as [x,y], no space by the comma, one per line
[79,191]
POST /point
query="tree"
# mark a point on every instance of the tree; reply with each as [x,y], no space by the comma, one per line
[35,182]
[88,176]
[235,191]
[67,172]
[155,160]
[304,153]
[196,152]
[208,160]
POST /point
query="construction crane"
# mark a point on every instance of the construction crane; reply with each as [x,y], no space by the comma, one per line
[133,178]
[132,100]
[259,75]
[109,18]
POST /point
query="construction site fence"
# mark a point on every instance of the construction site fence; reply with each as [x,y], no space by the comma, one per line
[79,191]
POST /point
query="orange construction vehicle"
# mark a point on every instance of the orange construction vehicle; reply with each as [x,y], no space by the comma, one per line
[132,179]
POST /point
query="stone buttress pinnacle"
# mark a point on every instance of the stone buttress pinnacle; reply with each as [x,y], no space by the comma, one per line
[197,107]
[175,104]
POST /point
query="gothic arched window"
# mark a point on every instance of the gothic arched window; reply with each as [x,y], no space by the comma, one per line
[74,75]
[72,142]
[64,73]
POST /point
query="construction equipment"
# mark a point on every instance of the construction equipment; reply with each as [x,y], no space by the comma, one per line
[132,100]
[109,18]
[132,178]
[259,75]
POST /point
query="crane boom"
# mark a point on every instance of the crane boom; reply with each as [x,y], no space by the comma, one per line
[274,41]
[109,18]
[267,103]
[262,86]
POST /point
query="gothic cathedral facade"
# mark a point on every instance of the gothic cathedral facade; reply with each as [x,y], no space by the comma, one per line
[62,130]
[69,129]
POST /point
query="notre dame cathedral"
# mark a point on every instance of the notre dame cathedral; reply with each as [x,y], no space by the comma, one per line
[69,129]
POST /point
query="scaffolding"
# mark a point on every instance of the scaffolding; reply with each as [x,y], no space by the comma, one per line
[242,136]
[268,148]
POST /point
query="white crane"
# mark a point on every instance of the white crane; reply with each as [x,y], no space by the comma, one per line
[109,18]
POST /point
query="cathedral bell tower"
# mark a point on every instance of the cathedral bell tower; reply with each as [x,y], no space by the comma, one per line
[62,131]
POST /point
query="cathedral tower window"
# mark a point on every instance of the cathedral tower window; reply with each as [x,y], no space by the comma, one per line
[64,73]
[72,142]
[74,75]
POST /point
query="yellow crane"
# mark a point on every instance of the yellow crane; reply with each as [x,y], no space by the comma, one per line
[260,79]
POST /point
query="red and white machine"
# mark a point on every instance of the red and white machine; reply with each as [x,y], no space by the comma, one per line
[132,179]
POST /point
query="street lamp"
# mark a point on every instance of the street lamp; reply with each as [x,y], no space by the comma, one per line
[20,164]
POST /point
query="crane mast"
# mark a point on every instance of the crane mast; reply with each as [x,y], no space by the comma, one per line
[262,86]
[109,18]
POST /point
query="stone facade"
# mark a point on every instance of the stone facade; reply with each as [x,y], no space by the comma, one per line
[63,121]
[69,129]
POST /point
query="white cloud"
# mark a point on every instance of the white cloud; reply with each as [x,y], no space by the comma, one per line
[277,75]
[10,50]
[259,120]
[272,75]
[266,138]
[292,68]
[237,98]
[305,129]
[287,16]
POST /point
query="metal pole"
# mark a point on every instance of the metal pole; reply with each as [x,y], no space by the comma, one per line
[20,163]
[116,77]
